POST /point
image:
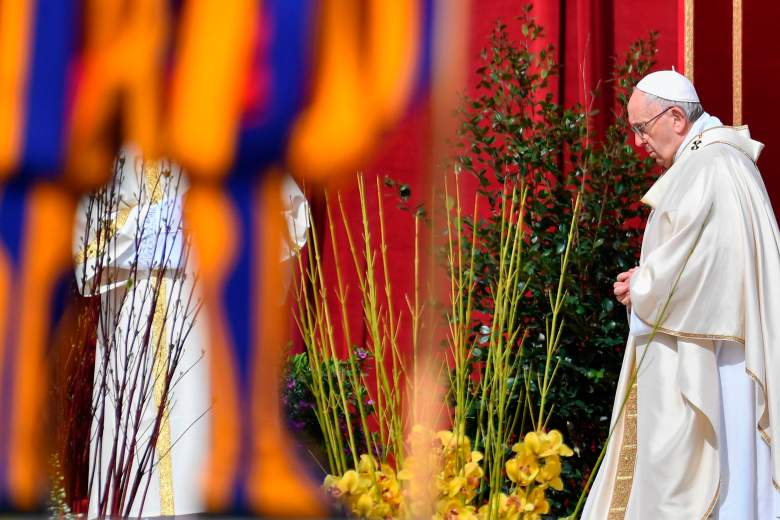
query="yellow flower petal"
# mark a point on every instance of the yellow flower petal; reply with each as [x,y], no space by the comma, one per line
[349,482]
[454,486]
[445,436]
[532,441]
[565,451]
[367,464]
[364,505]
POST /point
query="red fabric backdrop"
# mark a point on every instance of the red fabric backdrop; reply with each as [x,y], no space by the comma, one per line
[761,74]
[587,34]
[712,73]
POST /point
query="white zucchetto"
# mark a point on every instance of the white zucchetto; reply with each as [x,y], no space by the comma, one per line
[670,85]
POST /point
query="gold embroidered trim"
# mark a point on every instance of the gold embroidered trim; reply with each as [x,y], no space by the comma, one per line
[153,173]
[689,39]
[160,344]
[764,435]
[736,128]
[626,460]
[104,236]
[693,335]
[736,60]
[713,502]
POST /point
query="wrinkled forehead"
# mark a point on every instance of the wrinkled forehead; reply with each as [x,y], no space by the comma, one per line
[640,108]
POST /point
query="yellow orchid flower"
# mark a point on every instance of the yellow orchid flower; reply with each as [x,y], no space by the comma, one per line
[349,482]
[508,508]
[473,472]
[330,485]
[445,437]
[535,505]
[454,509]
[552,443]
[454,486]
[367,464]
[523,468]
[533,442]
[550,473]
[364,505]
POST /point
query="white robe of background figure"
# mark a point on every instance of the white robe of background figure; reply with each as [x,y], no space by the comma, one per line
[151,378]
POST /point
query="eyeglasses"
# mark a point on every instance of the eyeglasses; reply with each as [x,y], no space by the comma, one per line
[639,128]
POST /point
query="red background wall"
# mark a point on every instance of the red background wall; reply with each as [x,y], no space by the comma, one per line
[587,34]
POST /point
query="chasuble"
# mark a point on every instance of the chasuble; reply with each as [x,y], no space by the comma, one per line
[697,410]
[151,396]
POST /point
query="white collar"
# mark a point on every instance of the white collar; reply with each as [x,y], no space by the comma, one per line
[704,122]
[738,137]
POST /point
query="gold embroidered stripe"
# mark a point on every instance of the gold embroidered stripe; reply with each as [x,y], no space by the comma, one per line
[160,343]
[689,39]
[626,460]
[736,57]
[104,236]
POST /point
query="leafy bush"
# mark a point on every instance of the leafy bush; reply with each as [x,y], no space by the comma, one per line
[300,403]
[514,133]
[517,141]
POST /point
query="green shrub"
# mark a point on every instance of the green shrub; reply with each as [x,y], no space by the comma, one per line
[513,133]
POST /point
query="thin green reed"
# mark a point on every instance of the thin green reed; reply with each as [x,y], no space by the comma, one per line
[554,323]
[312,309]
[462,283]
[392,323]
[504,373]
[315,322]
[504,354]
[354,374]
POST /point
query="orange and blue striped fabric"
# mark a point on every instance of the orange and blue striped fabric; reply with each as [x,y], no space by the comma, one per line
[38,45]
[35,226]
[228,89]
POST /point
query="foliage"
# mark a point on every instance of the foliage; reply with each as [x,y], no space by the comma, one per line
[332,381]
[300,403]
[514,133]
[533,337]
[366,481]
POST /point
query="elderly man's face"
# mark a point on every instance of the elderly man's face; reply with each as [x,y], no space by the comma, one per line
[662,134]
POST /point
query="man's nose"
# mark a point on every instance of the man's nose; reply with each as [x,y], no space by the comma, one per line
[639,139]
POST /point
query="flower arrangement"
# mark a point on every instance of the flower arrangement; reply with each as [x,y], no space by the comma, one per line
[376,491]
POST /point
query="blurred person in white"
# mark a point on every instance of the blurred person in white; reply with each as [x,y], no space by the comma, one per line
[151,395]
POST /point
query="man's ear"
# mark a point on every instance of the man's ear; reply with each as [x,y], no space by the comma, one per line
[680,121]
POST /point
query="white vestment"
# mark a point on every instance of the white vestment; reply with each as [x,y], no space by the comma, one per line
[696,437]
[130,250]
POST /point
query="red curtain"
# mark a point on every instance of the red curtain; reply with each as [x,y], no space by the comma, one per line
[760,77]
[714,51]
[586,33]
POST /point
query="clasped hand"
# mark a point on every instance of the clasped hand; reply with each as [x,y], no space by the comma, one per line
[622,287]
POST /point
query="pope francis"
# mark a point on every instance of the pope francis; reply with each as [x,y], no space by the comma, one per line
[696,421]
